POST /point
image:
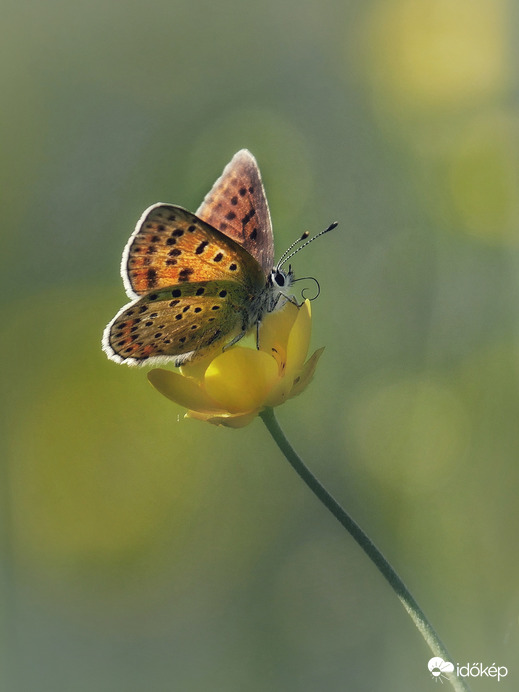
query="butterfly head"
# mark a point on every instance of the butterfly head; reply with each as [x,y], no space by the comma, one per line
[279,283]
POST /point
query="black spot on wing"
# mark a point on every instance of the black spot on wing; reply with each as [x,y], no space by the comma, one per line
[185,273]
[151,278]
[201,247]
[248,217]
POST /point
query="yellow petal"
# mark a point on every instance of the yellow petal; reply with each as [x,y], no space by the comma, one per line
[294,381]
[304,378]
[197,367]
[296,350]
[275,330]
[299,337]
[182,390]
[280,392]
[240,379]
[237,421]
[227,420]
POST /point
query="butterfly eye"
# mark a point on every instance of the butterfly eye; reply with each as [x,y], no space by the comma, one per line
[278,278]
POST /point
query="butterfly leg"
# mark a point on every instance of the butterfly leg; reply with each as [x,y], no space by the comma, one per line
[235,340]
[292,300]
[258,322]
[287,299]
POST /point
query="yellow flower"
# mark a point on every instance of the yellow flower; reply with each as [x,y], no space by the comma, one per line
[233,387]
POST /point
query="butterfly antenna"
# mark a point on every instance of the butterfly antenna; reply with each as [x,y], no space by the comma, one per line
[287,254]
[287,251]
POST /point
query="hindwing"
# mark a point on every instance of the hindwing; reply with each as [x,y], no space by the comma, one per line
[178,322]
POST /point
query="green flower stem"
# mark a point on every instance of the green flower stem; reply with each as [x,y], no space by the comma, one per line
[415,612]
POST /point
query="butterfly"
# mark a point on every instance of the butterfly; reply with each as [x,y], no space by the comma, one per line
[199,282]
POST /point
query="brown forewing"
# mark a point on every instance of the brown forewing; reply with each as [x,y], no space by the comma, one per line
[237,206]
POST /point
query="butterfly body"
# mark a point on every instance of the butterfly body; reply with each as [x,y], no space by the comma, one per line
[198,282]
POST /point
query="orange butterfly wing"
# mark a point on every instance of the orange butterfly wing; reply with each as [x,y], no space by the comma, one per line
[171,245]
[237,206]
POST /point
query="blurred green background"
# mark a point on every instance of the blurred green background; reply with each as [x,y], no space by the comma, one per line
[141,551]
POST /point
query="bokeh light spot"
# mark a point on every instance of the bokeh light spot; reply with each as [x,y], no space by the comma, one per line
[484,178]
[410,433]
[435,53]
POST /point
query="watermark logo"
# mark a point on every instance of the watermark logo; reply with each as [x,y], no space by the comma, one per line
[439,669]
